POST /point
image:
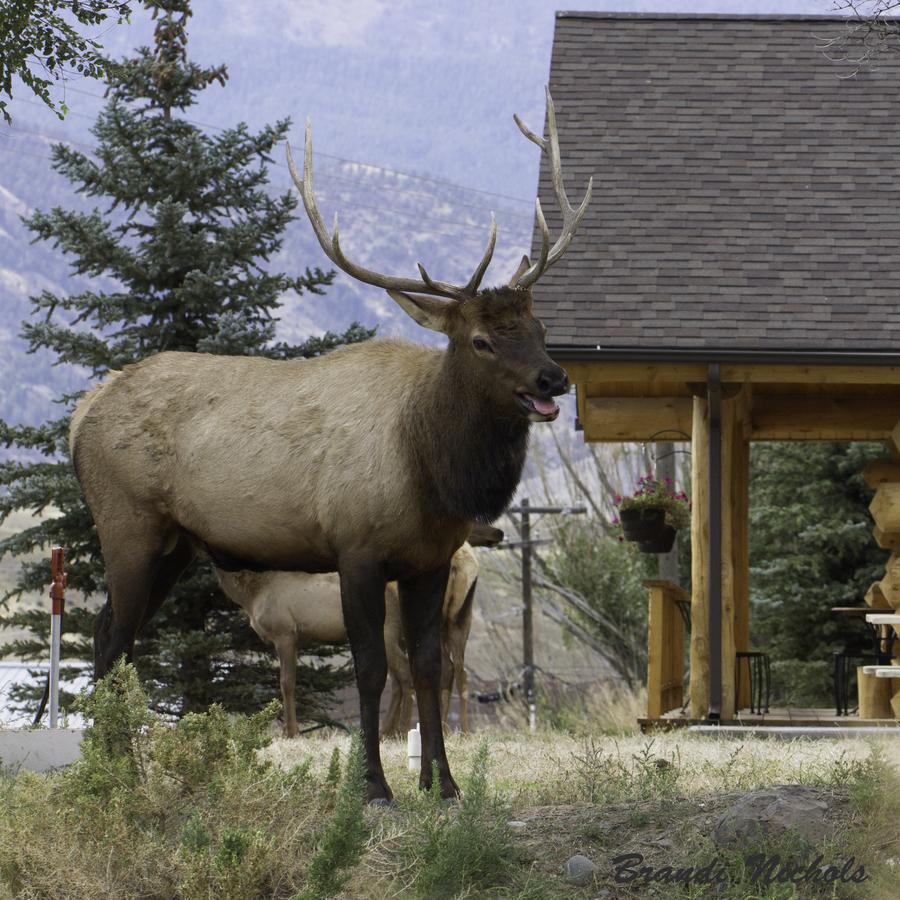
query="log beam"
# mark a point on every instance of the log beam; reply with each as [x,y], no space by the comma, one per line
[880,471]
[885,507]
[890,584]
[635,418]
[823,417]
[582,372]
[894,441]
[875,597]
[889,541]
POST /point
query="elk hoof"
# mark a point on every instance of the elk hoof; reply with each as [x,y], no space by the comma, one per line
[378,793]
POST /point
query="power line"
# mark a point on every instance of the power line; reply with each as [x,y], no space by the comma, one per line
[441,223]
[405,174]
[325,173]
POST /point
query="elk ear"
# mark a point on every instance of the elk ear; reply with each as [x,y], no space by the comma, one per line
[429,312]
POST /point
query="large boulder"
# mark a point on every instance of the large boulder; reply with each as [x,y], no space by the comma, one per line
[770,813]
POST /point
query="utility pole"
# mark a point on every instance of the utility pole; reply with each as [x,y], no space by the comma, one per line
[527,617]
[526,542]
[58,601]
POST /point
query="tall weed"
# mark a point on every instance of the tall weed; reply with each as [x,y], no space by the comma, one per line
[454,848]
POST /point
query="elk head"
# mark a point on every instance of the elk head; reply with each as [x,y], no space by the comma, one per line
[493,333]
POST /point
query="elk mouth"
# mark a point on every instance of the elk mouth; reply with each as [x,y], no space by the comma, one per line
[539,409]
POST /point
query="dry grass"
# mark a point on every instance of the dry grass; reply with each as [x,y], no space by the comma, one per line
[207,809]
[550,766]
[606,795]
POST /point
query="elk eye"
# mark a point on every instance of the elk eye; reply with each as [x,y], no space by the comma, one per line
[482,344]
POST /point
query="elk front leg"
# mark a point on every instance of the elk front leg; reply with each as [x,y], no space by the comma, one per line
[421,599]
[362,600]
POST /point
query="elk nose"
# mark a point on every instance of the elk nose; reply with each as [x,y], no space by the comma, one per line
[553,381]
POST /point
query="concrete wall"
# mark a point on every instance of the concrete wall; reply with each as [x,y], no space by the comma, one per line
[40,749]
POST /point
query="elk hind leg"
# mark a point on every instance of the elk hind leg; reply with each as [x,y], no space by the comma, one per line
[132,565]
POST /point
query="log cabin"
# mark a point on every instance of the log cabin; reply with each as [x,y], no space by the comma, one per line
[736,279]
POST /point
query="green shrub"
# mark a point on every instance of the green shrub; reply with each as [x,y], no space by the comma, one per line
[186,810]
[455,848]
[345,836]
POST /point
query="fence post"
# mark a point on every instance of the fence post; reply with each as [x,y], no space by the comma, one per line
[58,599]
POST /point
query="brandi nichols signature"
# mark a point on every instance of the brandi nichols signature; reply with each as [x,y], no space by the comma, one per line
[629,868]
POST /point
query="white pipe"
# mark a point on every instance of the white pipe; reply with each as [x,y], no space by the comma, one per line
[414,749]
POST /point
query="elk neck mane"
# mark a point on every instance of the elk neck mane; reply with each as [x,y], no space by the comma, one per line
[467,453]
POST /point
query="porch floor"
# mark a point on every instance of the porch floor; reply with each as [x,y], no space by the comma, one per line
[780,717]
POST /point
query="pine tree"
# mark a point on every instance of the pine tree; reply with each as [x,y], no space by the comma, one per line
[811,545]
[179,259]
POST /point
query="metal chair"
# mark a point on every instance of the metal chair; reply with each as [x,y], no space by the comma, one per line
[759,672]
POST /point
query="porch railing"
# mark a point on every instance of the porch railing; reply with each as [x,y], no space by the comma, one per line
[665,647]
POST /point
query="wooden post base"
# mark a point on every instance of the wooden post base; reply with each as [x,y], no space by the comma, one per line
[874,696]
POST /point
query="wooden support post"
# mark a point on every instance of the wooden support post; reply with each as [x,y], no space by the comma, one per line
[735,546]
[729,621]
[700,560]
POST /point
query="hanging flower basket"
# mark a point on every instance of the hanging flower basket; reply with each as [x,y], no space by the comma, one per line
[662,543]
[644,523]
[652,515]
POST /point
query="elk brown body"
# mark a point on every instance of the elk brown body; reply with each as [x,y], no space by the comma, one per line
[371,461]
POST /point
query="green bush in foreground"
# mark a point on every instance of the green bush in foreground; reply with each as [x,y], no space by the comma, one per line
[458,849]
[152,809]
[345,837]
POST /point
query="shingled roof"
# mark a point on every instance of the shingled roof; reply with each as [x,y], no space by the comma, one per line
[746,190]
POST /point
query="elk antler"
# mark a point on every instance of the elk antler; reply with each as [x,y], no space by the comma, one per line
[571,217]
[332,246]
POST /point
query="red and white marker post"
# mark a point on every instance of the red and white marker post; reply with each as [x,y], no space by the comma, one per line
[58,599]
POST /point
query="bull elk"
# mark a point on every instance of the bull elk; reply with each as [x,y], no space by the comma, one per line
[370,461]
[291,609]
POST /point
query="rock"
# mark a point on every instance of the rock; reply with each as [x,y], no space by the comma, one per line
[772,812]
[580,870]
[515,823]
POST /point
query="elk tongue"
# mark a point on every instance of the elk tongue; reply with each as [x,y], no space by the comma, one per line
[544,407]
